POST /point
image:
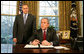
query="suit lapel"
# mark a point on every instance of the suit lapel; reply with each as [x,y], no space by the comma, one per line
[41,34]
[22,19]
[47,34]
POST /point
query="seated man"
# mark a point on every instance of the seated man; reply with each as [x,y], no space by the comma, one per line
[45,35]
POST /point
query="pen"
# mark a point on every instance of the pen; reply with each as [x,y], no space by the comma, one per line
[39,45]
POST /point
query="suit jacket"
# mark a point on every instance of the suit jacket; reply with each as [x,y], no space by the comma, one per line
[23,31]
[50,36]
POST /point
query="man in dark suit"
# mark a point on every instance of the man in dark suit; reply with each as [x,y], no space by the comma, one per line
[45,36]
[24,26]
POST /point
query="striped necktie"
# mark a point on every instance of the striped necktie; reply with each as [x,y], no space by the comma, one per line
[24,18]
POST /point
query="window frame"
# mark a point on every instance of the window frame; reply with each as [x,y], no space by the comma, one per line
[9,7]
[47,15]
[9,15]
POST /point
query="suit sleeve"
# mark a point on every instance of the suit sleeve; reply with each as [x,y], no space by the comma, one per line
[34,30]
[34,24]
[55,39]
[15,28]
[34,36]
[30,39]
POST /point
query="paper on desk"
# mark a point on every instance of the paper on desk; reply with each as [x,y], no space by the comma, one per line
[30,46]
[41,46]
[61,47]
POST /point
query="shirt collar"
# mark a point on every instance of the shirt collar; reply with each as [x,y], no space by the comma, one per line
[45,30]
[26,14]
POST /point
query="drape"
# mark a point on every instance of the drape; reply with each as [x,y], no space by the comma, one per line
[64,15]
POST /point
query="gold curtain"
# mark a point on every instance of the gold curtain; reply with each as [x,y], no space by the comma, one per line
[17,7]
[64,15]
[78,16]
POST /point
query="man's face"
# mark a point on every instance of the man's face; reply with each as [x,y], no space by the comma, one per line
[25,9]
[44,24]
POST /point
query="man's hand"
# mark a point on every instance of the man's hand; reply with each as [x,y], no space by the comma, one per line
[35,42]
[45,43]
[14,40]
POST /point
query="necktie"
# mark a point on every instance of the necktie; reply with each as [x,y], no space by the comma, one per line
[24,18]
[44,35]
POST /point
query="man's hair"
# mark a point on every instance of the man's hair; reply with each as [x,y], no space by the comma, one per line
[24,4]
[46,18]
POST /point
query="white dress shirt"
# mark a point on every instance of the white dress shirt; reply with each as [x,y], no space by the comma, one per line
[45,31]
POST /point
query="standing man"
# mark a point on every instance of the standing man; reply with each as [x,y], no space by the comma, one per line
[24,26]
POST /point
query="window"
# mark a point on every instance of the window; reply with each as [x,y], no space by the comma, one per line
[8,13]
[81,15]
[49,9]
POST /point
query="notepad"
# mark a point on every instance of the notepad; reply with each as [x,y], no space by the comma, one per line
[61,47]
[41,46]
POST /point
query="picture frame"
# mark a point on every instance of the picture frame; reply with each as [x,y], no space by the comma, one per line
[60,34]
[66,35]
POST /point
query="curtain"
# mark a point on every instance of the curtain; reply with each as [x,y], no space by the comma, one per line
[64,15]
[17,12]
[78,16]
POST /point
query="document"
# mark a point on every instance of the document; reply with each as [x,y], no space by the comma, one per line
[41,46]
[61,47]
[31,46]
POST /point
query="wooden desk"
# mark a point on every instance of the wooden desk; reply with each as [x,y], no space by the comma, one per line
[19,48]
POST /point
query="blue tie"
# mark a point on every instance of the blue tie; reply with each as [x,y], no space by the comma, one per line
[24,18]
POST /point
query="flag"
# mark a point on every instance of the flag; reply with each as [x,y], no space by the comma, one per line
[20,8]
[73,21]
